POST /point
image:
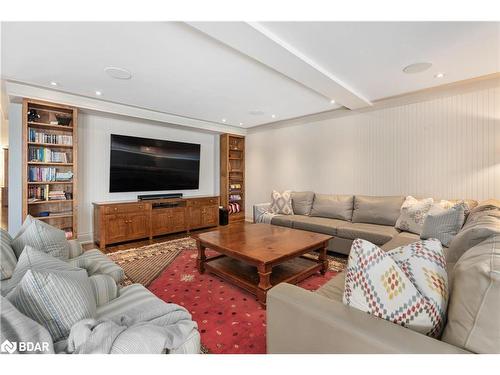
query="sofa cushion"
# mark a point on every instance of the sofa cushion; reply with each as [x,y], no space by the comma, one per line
[282,220]
[43,237]
[333,206]
[473,312]
[400,239]
[55,299]
[481,224]
[129,298]
[317,224]
[378,234]
[395,285]
[334,288]
[302,202]
[8,258]
[376,210]
[442,223]
[281,202]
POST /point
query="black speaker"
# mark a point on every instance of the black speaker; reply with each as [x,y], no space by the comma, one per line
[223,216]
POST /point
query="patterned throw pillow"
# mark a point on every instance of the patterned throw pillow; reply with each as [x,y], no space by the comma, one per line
[55,299]
[443,224]
[413,212]
[281,203]
[407,286]
[43,237]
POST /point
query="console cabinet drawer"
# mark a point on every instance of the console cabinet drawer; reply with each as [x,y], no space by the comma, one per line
[203,202]
[124,208]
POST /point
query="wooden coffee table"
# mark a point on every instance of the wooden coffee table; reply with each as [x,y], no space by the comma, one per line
[257,257]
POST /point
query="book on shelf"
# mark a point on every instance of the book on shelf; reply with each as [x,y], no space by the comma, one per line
[46,155]
[48,174]
[36,136]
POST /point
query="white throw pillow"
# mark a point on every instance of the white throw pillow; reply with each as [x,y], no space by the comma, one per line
[407,286]
[281,203]
[413,212]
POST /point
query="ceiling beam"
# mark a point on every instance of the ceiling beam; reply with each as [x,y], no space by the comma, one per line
[260,44]
[16,90]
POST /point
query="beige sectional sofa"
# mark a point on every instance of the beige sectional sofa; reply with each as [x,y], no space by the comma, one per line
[345,217]
[323,324]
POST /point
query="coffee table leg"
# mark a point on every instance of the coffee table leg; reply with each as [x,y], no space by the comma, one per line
[200,261]
[322,258]
[264,282]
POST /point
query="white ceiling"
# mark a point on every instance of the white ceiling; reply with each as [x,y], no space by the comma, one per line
[211,71]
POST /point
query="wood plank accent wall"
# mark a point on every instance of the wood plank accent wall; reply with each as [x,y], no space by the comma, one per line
[447,147]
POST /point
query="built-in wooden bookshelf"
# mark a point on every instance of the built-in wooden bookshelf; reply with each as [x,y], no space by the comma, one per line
[50,172]
[232,173]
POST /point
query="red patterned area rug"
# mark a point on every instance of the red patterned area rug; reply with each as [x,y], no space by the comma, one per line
[229,319]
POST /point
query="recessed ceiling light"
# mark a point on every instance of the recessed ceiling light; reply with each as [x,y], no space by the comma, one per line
[439,75]
[332,101]
[118,73]
[98,93]
[417,67]
[241,124]
[224,120]
[53,83]
[273,116]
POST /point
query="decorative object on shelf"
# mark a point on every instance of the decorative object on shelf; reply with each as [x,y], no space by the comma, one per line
[63,119]
[33,115]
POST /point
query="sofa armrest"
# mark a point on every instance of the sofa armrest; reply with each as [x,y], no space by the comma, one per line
[300,321]
[259,211]
[75,249]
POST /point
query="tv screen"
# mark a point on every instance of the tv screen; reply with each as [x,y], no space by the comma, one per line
[143,164]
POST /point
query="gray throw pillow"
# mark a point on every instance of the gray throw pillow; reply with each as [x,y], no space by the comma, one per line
[55,299]
[443,224]
[43,237]
[302,202]
[333,206]
[8,259]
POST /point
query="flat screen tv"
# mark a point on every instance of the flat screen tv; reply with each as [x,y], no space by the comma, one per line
[143,164]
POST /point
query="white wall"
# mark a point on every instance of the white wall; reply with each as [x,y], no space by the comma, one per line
[15,168]
[93,159]
[447,147]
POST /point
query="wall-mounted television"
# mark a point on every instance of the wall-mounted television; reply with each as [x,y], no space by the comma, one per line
[143,164]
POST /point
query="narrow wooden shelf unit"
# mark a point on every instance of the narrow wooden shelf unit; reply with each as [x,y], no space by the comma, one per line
[232,169]
[42,121]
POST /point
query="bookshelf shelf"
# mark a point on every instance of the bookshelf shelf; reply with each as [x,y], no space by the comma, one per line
[42,125]
[49,145]
[59,201]
[43,128]
[49,163]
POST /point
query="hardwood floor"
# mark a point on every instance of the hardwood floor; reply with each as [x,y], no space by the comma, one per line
[145,242]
